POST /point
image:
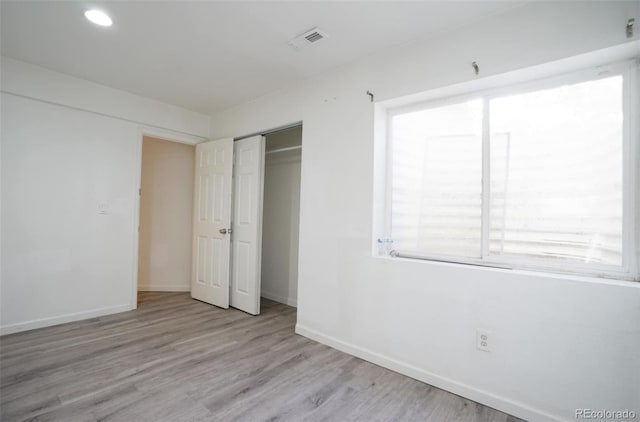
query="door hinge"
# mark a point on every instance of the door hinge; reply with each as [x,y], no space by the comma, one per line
[140,192]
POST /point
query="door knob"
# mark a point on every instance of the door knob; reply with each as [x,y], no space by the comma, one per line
[223,231]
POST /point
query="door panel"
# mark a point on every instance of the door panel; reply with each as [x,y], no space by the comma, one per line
[212,205]
[248,176]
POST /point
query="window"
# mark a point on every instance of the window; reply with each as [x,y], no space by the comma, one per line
[534,176]
[437,180]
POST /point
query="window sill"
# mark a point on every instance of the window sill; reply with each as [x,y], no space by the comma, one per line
[548,274]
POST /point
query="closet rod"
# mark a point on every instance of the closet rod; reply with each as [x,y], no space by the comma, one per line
[273,151]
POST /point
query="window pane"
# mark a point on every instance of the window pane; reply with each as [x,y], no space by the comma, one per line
[556,173]
[437,180]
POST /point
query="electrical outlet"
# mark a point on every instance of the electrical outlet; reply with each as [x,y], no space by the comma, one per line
[103,208]
[483,340]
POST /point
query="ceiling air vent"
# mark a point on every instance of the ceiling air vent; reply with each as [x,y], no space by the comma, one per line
[312,36]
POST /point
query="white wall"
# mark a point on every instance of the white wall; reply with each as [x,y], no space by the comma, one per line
[166,216]
[560,343]
[281,218]
[63,159]
[36,82]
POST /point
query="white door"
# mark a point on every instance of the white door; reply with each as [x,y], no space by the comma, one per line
[248,183]
[212,222]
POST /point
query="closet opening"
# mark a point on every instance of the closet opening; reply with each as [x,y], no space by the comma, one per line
[281,215]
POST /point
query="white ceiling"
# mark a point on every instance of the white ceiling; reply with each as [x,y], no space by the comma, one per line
[207,56]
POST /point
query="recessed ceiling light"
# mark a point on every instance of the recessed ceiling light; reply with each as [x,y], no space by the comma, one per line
[98,17]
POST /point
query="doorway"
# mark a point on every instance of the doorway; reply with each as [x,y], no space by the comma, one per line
[201,218]
[166,213]
[281,216]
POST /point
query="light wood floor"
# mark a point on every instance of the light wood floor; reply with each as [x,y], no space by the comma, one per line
[176,359]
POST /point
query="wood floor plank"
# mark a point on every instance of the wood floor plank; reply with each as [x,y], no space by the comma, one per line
[177,359]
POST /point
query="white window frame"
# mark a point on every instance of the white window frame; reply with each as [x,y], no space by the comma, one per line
[628,69]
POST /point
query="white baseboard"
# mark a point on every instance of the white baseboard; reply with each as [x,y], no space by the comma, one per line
[47,322]
[166,288]
[286,300]
[503,404]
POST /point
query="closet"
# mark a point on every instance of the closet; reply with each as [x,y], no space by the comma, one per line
[281,215]
[246,218]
